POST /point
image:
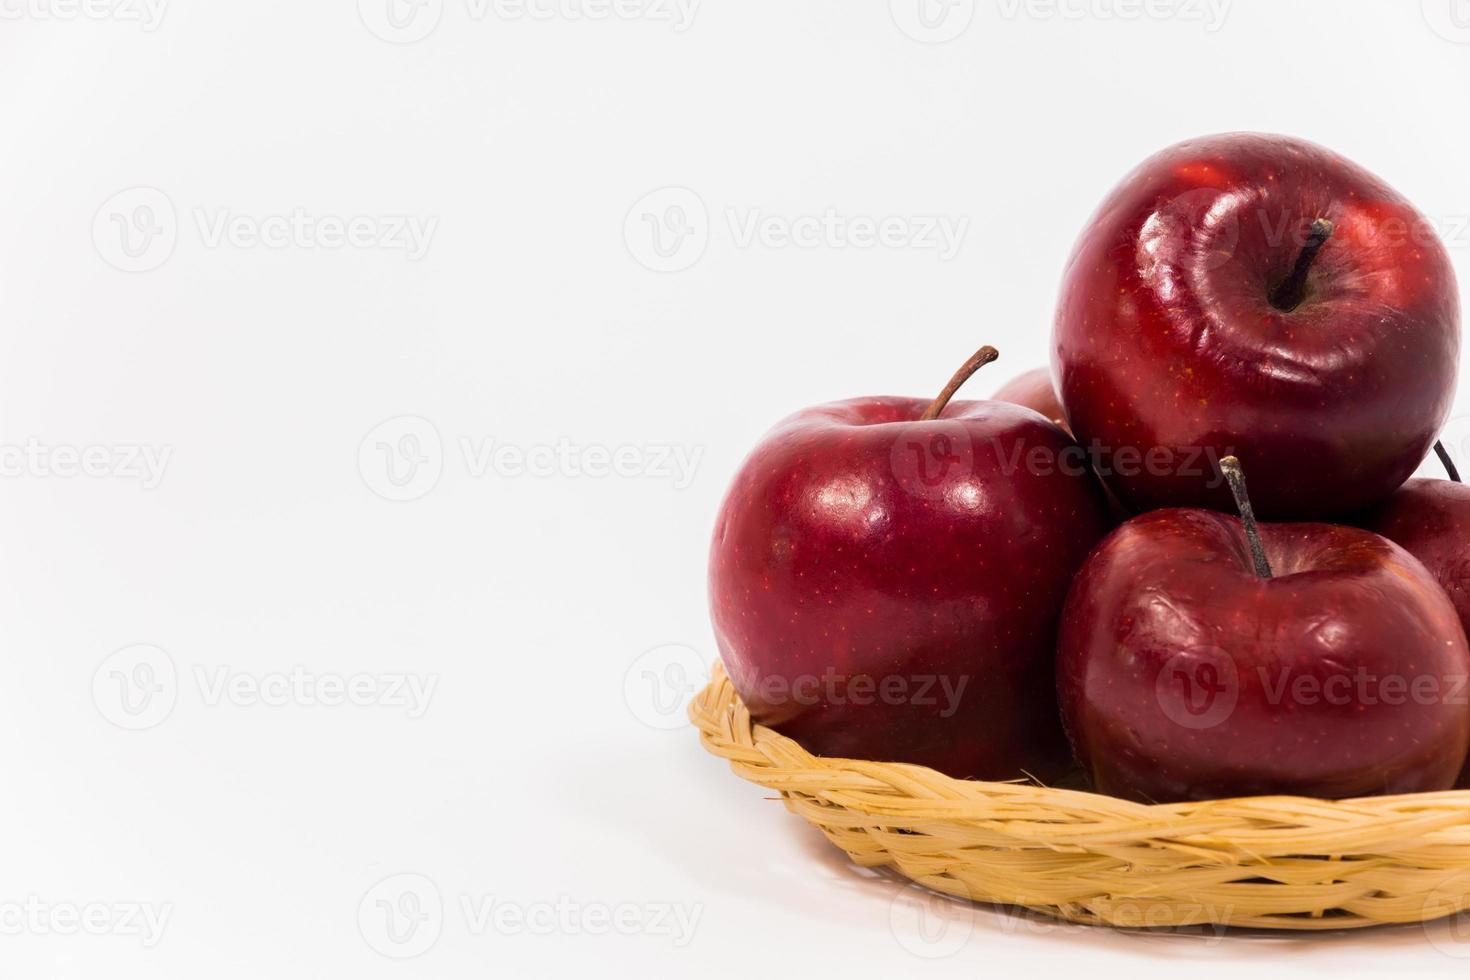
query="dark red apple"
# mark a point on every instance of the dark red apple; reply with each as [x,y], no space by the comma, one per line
[1198,661]
[1261,296]
[885,584]
[1430,519]
[1035,391]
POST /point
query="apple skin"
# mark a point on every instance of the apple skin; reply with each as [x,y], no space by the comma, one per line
[1165,335]
[1430,519]
[1180,672]
[859,542]
[1034,390]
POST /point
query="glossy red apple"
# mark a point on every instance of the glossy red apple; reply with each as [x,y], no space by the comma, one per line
[1199,660]
[885,584]
[1034,390]
[1430,519]
[1261,296]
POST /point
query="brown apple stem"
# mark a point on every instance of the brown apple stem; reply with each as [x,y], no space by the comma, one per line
[1444,457]
[1289,295]
[982,357]
[1230,466]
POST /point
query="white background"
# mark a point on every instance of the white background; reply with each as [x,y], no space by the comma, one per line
[278,380]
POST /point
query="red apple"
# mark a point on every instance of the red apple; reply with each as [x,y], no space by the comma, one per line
[885,584]
[1261,296]
[1430,519]
[1035,391]
[1202,657]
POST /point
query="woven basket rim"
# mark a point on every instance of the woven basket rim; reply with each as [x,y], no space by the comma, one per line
[1278,862]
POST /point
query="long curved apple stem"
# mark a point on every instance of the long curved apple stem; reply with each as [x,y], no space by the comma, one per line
[1444,457]
[1230,466]
[982,357]
[1289,295]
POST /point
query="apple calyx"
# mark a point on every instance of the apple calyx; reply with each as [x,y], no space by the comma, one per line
[1230,466]
[981,357]
[1449,464]
[1293,289]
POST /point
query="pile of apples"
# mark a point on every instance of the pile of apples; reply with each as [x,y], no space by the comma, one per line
[1186,558]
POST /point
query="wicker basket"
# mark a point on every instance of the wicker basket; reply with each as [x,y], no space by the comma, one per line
[1263,862]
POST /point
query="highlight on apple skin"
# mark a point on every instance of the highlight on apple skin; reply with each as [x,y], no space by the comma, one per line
[1265,297]
[936,582]
[885,586]
[1183,674]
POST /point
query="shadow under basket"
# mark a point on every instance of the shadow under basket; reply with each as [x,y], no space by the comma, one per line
[1273,862]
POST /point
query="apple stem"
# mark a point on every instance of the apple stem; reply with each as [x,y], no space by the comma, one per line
[982,357]
[1230,466]
[1289,295]
[1444,457]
